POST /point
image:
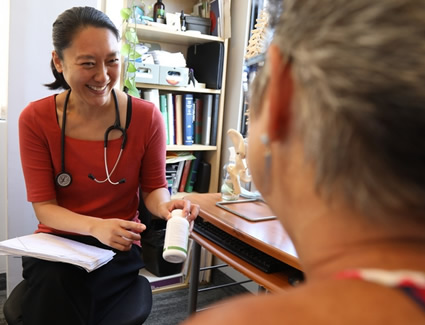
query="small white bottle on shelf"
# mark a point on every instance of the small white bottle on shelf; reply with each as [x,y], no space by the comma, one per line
[176,238]
[227,186]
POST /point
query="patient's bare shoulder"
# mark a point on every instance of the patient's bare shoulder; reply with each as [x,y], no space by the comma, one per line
[328,302]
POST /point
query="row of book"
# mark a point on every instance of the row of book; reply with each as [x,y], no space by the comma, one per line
[187,173]
[189,118]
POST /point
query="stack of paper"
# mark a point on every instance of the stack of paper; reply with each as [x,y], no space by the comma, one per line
[54,248]
[169,59]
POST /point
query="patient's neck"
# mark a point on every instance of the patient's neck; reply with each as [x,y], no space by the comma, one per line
[341,241]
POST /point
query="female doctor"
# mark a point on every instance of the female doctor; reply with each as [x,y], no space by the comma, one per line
[85,153]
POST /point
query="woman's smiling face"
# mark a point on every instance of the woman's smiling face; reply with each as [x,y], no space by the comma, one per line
[91,65]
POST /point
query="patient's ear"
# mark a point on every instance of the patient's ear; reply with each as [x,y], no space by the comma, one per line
[280,92]
[57,62]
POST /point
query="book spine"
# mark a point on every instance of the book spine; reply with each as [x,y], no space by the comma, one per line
[179,174]
[185,175]
[214,119]
[171,178]
[179,119]
[206,119]
[193,172]
[164,111]
[215,15]
[198,121]
[170,108]
[187,119]
[152,95]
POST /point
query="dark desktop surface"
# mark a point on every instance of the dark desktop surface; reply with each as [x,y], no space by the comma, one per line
[250,254]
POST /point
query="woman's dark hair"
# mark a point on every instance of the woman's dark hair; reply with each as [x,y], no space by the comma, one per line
[66,26]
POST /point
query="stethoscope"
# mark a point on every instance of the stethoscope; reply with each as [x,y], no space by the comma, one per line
[64,179]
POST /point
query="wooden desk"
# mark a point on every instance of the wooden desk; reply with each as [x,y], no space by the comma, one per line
[267,236]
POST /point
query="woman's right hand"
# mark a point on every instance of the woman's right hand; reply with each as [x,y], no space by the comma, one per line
[117,233]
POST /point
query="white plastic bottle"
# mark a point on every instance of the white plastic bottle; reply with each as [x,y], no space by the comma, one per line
[176,238]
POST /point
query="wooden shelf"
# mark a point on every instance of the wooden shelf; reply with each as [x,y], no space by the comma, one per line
[179,89]
[165,283]
[155,34]
[194,147]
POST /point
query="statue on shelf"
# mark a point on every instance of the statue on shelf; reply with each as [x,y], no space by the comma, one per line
[236,169]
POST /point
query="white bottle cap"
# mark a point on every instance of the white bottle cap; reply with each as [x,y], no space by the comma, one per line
[177,213]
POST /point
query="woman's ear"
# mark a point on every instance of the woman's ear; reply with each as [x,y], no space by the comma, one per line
[280,92]
[57,62]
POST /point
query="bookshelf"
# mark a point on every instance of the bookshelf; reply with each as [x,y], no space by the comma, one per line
[174,41]
[181,89]
[194,147]
[155,34]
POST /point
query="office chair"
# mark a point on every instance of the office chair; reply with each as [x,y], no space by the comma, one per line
[135,307]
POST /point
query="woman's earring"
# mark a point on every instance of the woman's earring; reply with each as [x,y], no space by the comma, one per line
[267,156]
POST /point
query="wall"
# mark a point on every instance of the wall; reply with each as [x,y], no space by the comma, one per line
[240,13]
[30,49]
[3,224]
[4,37]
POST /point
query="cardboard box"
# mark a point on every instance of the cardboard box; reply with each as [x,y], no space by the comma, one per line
[172,76]
[147,73]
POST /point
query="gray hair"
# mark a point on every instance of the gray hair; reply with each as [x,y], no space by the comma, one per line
[359,75]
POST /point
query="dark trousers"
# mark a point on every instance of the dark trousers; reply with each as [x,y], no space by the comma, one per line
[61,293]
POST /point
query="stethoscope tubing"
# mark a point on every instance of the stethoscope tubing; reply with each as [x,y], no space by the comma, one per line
[64,179]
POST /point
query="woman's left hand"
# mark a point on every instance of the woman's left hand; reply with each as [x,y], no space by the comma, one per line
[190,210]
[159,203]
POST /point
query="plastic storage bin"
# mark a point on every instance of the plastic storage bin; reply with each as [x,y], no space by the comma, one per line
[147,73]
[152,247]
[172,76]
[200,24]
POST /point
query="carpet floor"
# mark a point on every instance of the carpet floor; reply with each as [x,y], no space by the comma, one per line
[169,307]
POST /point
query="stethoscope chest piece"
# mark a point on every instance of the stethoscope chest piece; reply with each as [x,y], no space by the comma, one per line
[63,179]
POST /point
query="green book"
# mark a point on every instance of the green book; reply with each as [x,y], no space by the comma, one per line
[191,179]
[164,111]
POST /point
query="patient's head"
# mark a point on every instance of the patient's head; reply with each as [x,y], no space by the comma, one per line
[358,100]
